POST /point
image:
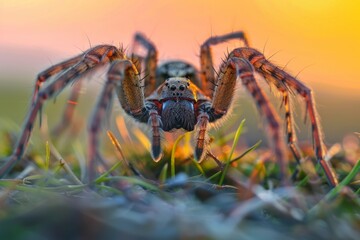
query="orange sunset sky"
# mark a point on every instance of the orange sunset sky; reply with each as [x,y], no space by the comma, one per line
[319,38]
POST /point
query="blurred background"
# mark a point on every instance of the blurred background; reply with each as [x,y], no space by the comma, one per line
[316,40]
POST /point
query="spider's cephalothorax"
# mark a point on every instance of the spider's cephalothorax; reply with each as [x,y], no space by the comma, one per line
[176,96]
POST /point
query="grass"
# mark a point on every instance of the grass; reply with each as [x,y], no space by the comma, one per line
[233,194]
[235,142]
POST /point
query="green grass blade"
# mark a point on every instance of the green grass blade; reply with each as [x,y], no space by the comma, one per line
[336,190]
[198,166]
[47,156]
[306,179]
[250,149]
[132,180]
[105,174]
[163,173]
[236,139]
[68,170]
[110,189]
[213,176]
[172,160]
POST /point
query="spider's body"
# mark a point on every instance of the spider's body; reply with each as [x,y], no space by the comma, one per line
[176,101]
[177,96]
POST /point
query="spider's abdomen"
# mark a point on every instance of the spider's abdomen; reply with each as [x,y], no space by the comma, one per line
[178,114]
[172,69]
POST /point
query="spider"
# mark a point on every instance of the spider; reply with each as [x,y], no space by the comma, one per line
[177,96]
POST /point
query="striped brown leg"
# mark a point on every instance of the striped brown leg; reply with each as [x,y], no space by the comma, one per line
[150,63]
[69,109]
[155,124]
[281,79]
[201,138]
[207,73]
[124,78]
[291,134]
[93,57]
[95,124]
[52,71]
[229,72]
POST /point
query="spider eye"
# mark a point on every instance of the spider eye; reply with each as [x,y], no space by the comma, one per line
[173,88]
[181,87]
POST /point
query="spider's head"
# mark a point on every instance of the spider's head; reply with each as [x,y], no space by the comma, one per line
[177,88]
[176,69]
[178,96]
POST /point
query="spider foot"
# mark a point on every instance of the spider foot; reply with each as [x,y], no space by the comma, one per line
[295,174]
[199,154]
[156,152]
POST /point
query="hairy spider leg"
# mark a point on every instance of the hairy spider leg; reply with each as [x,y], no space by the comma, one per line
[150,63]
[52,71]
[155,124]
[69,109]
[120,72]
[291,134]
[46,75]
[201,133]
[237,68]
[208,70]
[132,100]
[283,80]
[94,57]
[207,73]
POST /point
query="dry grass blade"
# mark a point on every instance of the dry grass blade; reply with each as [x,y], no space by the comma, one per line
[63,164]
[116,143]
